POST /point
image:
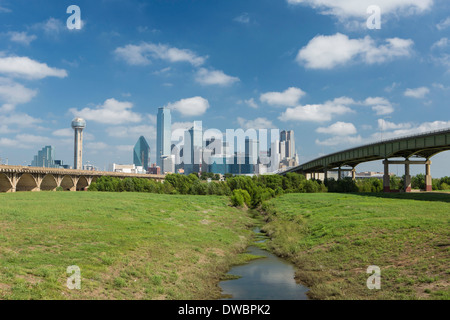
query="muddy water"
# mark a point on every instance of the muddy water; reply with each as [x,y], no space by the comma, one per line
[268,278]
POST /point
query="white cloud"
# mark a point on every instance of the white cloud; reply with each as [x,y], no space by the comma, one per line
[24,141]
[319,112]
[340,140]
[327,52]
[380,105]
[250,102]
[149,132]
[20,120]
[12,94]
[243,18]
[345,9]
[195,106]
[143,53]
[27,68]
[66,132]
[51,27]
[5,10]
[21,37]
[444,24]
[258,123]
[214,77]
[417,93]
[288,98]
[339,129]
[386,125]
[442,43]
[111,112]
[406,129]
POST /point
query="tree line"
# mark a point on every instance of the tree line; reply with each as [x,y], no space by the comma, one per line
[252,191]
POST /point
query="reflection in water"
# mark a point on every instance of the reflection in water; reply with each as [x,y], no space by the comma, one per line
[269,278]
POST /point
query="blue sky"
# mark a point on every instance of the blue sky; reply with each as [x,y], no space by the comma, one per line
[312,66]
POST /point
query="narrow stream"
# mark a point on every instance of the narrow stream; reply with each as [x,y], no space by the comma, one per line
[268,278]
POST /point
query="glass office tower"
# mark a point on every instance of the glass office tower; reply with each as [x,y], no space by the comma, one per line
[163,135]
[141,154]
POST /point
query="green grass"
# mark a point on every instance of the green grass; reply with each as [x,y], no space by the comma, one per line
[127,245]
[333,238]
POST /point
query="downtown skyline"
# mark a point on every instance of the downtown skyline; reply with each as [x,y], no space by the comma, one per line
[315,69]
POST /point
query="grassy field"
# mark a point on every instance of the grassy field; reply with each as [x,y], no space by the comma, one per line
[127,245]
[333,238]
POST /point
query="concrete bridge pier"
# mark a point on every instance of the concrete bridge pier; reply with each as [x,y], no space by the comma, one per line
[386,177]
[407,182]
[428,178]
[407,185]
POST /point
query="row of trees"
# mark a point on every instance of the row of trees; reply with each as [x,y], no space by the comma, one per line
[257,188]
[252,191]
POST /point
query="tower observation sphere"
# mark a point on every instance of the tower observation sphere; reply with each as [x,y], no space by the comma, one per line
[78,124]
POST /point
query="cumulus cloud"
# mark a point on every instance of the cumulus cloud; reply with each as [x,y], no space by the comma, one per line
[195,106]
[144,53]
[444,24]
[21,37]
[132,132]
[250,102]
[340,140]
[111,112]
[380,105]
[258,123]
[327,52]
[344,9]
[243,18]
[442,43]
[25,67]
[319,112]
[288,98]
[417,93]
[214,77]
[51,27]
[386,125]
[339,128]
[406,129]
[12,94]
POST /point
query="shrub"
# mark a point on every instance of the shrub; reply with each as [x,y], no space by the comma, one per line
[240,197]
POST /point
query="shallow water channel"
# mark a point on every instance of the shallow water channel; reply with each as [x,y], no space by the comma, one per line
[268,278]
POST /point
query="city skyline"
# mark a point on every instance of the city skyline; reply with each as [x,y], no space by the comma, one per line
[246,70]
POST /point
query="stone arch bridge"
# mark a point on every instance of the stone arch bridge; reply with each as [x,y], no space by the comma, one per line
[19,178]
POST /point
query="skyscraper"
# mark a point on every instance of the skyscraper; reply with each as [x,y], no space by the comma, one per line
[163,135]
[45,158]
[141,154]
[193,148]
[78,126]
[288,137]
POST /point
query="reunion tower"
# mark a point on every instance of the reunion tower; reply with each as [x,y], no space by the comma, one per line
[78,124]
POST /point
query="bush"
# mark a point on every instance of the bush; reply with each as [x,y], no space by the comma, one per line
[240,197]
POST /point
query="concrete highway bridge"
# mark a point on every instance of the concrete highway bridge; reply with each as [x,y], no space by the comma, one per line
[411,148]
[18,178]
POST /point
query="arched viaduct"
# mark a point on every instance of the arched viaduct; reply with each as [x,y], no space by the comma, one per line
[18,178]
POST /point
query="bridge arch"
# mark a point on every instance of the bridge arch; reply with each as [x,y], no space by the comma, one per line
[49,183]
[26,183]
[5,183]
[67,183]
[82,184]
